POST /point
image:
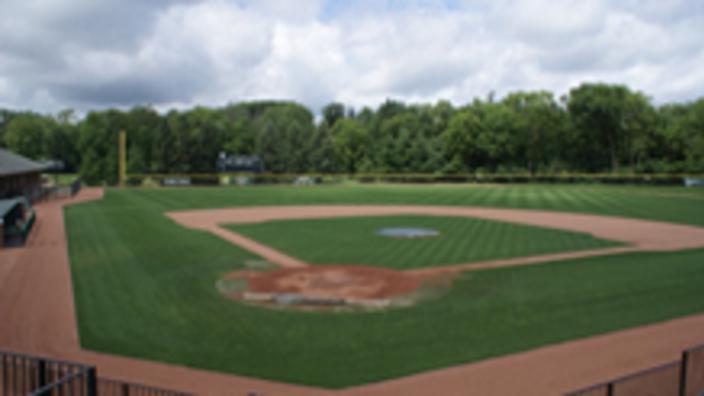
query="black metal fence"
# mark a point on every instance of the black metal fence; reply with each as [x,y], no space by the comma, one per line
[684,377]
[29,375]
[110,387]
[22,375]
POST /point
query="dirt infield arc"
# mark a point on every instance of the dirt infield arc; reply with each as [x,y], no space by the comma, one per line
[639,235]
[36,280]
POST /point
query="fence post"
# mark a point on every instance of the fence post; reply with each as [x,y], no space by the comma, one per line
[41,373]
[683,373]
[125,390]
[610,389]
[5,375]
[91,382]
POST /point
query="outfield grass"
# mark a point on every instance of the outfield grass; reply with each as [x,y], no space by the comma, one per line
[144,286]
[353,240]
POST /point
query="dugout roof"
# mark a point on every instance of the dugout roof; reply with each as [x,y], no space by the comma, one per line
[13,164]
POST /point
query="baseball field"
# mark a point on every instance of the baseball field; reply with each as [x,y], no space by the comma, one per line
[145,284]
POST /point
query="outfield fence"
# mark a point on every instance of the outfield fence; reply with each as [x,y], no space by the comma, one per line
[22,375]
[232,179]
[684,377]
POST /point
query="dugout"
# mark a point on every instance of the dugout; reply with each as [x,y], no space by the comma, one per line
[16,221]
[20,176]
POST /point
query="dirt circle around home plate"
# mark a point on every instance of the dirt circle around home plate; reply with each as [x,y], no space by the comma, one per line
[330,286]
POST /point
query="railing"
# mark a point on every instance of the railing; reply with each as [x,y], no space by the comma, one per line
[684,377]
[109,387]
[22,375]
[78,384]
[30,375]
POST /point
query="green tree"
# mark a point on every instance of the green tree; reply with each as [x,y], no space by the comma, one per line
[204,131]
[332,113]
[606,119]
[639,125]
[539,126]
[461,142]
[681,128]
[97,143]
[350,142]
[283,132]
[323,157]
[26,135]
[495,139]
[143,131]
[694,123]
[5,117]
[62,140]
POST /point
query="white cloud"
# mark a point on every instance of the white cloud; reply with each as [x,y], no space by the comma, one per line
[5,91]
[298,10]
[549,21]
[93,54]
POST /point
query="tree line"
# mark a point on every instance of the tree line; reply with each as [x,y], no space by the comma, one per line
[593,128]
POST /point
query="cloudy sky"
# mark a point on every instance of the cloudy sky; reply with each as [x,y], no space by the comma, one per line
[93,54]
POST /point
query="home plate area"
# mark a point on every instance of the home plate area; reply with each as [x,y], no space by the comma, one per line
[331,287]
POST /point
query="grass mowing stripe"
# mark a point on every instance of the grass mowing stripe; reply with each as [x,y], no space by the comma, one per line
[555,196]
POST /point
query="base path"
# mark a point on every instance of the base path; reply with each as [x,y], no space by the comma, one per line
[37,316]
[639,235]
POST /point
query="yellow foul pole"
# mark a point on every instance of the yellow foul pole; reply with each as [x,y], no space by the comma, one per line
[122,159]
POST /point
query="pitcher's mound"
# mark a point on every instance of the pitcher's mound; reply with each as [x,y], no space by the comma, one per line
[326,286]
